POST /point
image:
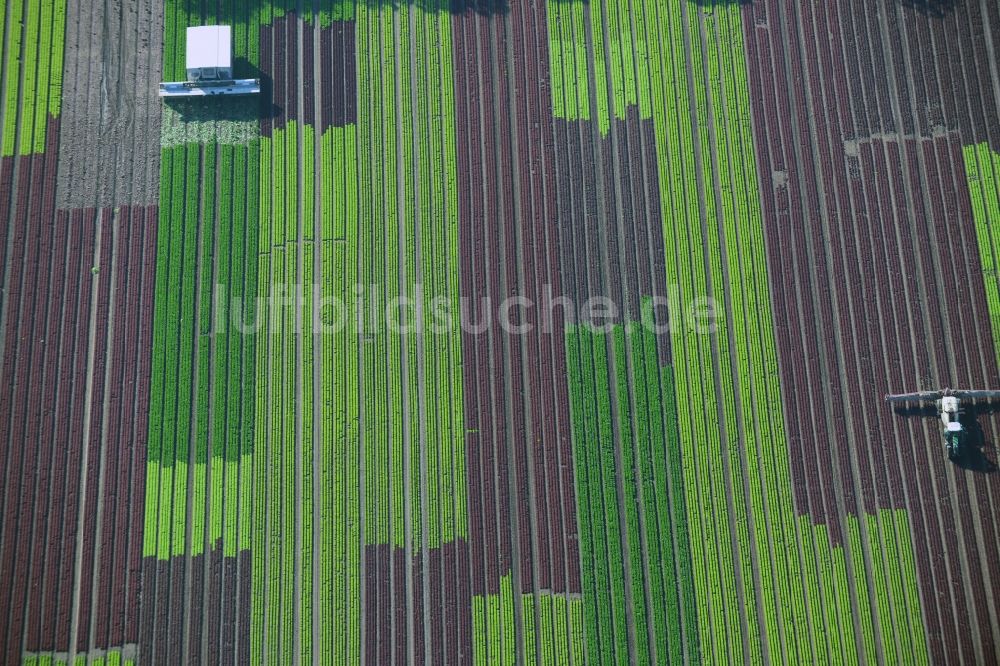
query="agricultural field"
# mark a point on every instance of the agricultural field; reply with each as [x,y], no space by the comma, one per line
[500,332]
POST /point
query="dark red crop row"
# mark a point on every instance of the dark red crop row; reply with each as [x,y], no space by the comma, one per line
[220,588]
[627,219]
[338,95]
[28,377]
[51,380]
[516,400]
[854,248]
[486,458]
[123,432]
[445,614]
[97,387]
[549,451]
[279,42]
[337,92]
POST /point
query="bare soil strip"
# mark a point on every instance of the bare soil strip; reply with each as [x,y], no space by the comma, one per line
[110,151]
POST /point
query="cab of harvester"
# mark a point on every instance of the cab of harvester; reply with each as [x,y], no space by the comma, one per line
[951,425]
[953,433]
[949,405]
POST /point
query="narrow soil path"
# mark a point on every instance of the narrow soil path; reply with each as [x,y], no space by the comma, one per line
[109,226]
[88,408]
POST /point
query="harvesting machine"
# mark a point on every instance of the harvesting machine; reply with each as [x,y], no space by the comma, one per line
[949,406]
[210,66]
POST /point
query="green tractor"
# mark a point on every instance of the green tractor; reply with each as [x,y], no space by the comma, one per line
[949,406]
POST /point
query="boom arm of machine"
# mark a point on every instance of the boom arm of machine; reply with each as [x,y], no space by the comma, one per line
[927,396]
[948,402]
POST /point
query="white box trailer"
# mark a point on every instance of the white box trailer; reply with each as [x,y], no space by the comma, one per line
[210,53]
[209,65]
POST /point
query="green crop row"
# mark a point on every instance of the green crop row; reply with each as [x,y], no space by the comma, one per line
[307,401]
[198,400]
[339,400]
[284,402]
[585,361]
[203,366]
[604,494]
[568,59]
[287,397]
[628,476]
[334,10]
[274,575]
[658,450]
[555,635]
[12,75]
[616,85]
[260,469]
[672,61]
[33,39]
[407,202]
[308,352]
[733,447]
[493,635]
[382,371]
[246,19]
[552,636]
[982,167]
[173,346]
[110,658]
[267,472]
[646,438]
[378,224]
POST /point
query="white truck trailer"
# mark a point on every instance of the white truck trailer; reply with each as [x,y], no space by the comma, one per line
[209,66]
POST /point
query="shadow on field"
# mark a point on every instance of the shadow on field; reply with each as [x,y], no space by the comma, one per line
[704,4]
[932,8]
[233,108]
[237,13]
[978,451]
[708,4]
[917,410]
[481,7]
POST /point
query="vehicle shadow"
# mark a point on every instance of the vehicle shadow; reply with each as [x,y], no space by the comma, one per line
[236,13]
[481,7]
[917,410]
[230,107]
[978,450]
[932,8]
[716,3]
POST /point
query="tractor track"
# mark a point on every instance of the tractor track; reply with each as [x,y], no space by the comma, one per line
[407,592]
[303,290]
[316,499]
